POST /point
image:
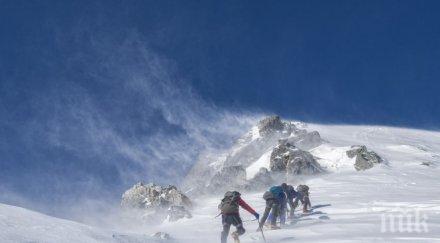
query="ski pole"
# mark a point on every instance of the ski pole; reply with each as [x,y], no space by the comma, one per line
[218,215]
[261,229]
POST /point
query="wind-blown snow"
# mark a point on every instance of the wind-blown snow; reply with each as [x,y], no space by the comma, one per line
[353,203]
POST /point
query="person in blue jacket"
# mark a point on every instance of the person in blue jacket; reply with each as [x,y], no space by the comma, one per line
[290,193]
[275,197]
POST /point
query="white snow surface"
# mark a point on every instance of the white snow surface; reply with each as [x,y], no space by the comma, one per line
[333,158]
[262,162]
[353,204]
[22,225]
[255,133]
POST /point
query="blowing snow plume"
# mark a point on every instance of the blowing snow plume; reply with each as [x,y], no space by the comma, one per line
[119,113]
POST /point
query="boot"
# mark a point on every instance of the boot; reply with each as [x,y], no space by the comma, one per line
[305,209]
[273,227]
[235,237]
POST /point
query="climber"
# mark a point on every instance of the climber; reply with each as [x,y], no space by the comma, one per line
[229,208]
[302,195]
[290,195]
[275,197]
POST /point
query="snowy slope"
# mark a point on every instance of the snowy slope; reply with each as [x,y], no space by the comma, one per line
[263,161]
[353,204]
[333,158]
[22,225]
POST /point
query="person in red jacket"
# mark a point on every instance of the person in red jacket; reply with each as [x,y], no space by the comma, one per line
[229,208]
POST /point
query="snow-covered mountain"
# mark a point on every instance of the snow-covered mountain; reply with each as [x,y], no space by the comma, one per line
[249,153]
[394,201]
[281,150]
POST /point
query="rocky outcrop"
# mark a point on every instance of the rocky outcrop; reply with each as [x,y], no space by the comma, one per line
[229,177]
[207,172]
[427,163]
[365,159]
[287,158]
[154,200]
[271,129]
[272,124]
[162,236]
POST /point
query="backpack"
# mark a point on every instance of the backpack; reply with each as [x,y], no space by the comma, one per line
[229,203]
[278,192]
[302,188]
[268,195]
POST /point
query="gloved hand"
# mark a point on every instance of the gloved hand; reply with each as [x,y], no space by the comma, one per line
[257,216]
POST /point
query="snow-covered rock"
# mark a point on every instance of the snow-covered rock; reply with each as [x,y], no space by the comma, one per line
[162,236]
[272,124]
[292,160]
[251,152]
[427,164]
[154,200]
[152,195]
[365,159]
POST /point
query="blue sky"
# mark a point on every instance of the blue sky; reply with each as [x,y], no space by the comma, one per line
[95,94]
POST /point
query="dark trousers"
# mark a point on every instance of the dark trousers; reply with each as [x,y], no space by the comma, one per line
[281,213]
[304,199]
[273,206]
[227,221]
[292,208]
